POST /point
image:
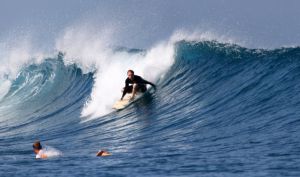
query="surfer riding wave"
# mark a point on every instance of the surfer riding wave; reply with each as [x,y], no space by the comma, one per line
[134,84]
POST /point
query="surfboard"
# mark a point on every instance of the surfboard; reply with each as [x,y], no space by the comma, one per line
[121,104]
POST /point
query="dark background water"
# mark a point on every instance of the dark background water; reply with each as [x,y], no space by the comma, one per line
[222,110]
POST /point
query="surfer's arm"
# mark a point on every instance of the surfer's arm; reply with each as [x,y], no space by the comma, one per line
[124,93]
[150,83]
[125,89]
[140,80]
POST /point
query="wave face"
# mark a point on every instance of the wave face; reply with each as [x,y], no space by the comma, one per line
[220,110]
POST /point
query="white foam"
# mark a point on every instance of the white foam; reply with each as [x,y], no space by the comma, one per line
[14,55]
[4,88]
[204,35]
[110,81]
[52,152]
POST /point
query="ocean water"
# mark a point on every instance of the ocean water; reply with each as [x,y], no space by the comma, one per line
[219,110]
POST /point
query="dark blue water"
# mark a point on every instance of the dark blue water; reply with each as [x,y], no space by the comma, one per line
[221,110]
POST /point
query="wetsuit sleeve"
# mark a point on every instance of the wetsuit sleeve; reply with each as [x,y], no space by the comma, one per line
[125,88]
[143,81]
[150,83]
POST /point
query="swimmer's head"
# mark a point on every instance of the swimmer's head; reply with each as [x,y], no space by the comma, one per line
[37,145]
[100,153]
[103,153]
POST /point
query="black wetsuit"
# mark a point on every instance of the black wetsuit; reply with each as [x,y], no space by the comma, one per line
[141,84]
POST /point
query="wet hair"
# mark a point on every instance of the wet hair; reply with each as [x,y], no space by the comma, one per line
[130,71]
[37,145]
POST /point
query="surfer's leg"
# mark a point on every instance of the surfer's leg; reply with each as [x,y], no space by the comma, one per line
[143,88]
[128,89]
[134,90]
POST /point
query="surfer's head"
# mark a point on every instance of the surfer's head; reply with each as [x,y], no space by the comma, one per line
[37,146]
[130,74]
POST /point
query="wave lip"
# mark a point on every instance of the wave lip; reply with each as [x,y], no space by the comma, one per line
[43,91]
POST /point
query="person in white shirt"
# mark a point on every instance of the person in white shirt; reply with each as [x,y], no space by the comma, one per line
[38,150]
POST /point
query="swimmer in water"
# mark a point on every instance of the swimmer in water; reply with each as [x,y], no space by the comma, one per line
[103,153]
[38,150]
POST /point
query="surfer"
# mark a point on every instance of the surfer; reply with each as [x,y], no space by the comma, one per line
[38,150]
[103,153]
[138,84]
